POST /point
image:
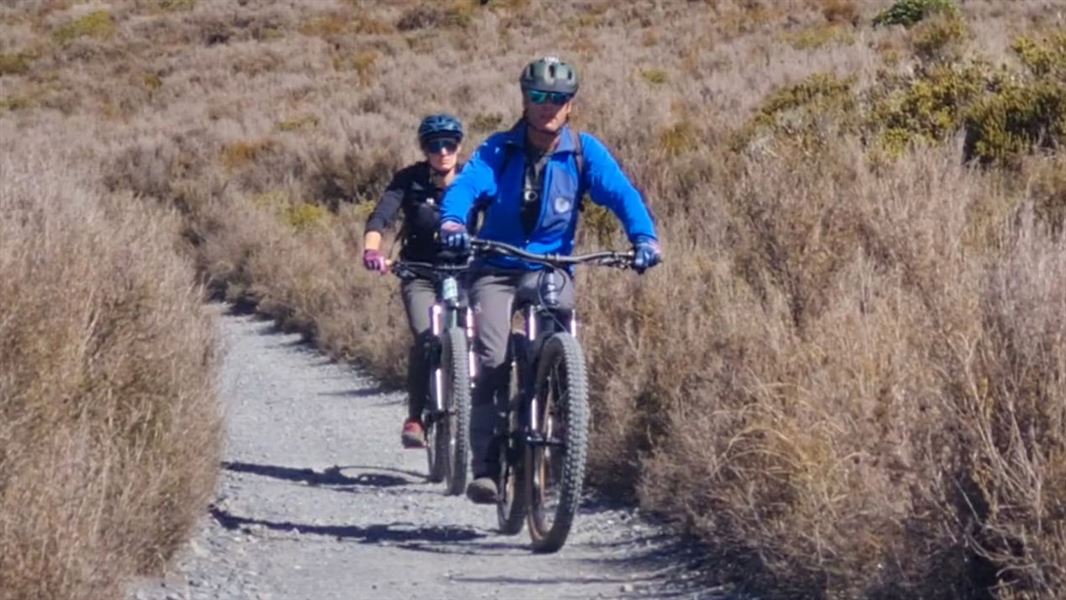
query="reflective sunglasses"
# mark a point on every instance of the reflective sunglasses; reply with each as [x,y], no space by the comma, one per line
[435,146]
[539,97]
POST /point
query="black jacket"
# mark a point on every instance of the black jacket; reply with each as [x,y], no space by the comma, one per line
[411,191]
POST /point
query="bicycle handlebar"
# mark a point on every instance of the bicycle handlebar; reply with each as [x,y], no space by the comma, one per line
[621,260]
[402,268]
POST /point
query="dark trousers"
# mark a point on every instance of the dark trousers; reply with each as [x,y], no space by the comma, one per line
[418,296]
[494,296]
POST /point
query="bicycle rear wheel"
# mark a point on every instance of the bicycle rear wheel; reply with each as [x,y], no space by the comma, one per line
[556,454]
[456,409]
[513,497]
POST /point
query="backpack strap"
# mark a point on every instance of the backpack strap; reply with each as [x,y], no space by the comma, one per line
[579,152]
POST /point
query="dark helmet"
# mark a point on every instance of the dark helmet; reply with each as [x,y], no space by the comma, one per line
[442,125]
[549,74]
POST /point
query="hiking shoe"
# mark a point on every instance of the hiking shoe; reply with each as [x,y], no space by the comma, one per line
[413,436]
[482,490]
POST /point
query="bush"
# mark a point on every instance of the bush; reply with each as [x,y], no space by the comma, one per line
[926,108]
[242,153]
[177,5]
[804,114]
[820,36]
[98,24]
[459,13]
[108,417]
[1014,120]
[1043,58]
[940,39]
[909,12]
[14,64]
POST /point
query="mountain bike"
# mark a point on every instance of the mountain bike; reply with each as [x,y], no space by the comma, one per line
[543,439]
[446,416]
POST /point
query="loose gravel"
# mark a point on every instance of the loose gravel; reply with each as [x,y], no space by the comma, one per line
[317,500]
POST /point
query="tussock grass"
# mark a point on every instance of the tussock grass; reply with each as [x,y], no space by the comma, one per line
[847,378]
[109,431]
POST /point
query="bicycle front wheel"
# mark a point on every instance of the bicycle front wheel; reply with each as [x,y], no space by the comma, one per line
[558,444]
[456,408]
[436,425]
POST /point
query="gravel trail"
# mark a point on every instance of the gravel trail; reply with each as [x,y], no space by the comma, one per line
[317,500]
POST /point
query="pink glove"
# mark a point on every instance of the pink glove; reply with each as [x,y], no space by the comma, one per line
[374,260]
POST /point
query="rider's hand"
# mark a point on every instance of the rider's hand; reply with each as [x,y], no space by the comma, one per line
[374,260]
[454,236]
[646,253]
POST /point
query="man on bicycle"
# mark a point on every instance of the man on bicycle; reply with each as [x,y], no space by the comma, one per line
[530,180]
[415,192]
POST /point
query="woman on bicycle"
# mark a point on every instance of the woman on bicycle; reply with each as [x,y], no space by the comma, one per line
[416,192]
[530,181]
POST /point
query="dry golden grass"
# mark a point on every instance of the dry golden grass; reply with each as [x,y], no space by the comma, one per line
[109,427]
[847,378]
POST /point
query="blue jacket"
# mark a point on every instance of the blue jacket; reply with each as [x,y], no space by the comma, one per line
[493,179]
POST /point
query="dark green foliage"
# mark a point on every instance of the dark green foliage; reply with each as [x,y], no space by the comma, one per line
[909,12]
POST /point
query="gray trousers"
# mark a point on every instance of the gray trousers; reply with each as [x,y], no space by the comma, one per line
[418,296]
[494,296]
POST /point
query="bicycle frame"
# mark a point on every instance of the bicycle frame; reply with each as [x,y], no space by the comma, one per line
[449,310]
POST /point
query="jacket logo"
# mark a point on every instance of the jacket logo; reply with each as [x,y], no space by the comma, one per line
[562,204]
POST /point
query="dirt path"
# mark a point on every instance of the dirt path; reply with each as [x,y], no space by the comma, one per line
[318,501]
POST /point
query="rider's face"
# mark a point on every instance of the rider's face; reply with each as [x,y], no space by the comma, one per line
[547,116]
[443,156]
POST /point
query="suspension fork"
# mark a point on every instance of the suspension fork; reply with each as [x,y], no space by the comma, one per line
[436,320]
[541,322]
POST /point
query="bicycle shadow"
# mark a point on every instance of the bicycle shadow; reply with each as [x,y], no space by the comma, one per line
[365,392]
[333,476]
[397,532]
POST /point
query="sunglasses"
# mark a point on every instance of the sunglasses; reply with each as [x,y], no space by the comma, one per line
[539,97]
[435,146]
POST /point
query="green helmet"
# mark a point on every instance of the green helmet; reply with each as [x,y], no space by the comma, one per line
[549,74]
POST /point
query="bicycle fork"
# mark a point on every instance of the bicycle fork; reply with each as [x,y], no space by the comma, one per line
[536,434]
[437,324]
[436,318]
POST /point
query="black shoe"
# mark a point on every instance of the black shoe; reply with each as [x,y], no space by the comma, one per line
[482,490]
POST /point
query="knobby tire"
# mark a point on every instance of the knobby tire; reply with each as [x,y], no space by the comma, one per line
[561,387]
[457,409]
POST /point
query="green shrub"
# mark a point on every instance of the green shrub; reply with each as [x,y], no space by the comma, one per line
[909,12]
[599,225]
[942,38]
[299,123]
[485,122]
[14,64]
[1043,58]
[1015,119]
[1048,191]
[926,108]
[305,215]
[655,76]
[152,82]
[820,36]
[803,113]
[98,24]
[177,5]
